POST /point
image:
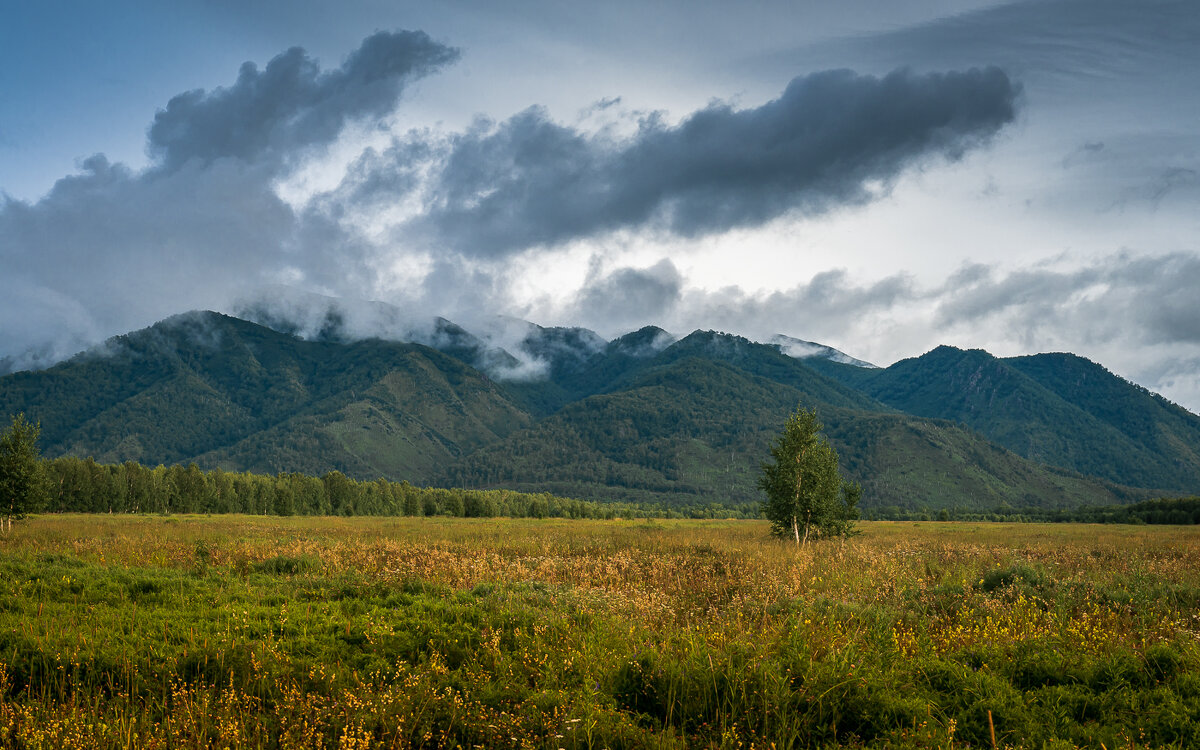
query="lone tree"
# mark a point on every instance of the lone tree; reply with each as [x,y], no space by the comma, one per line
[805,493]
[22,480]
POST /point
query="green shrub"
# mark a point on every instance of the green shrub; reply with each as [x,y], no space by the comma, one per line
[1163,662]
[287,565]
[1020,576]
[641,686]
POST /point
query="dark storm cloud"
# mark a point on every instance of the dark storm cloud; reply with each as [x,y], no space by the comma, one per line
[110,249]
[291,103]
[1094,72]
[832,139]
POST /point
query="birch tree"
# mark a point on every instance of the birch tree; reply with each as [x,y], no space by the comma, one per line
[22,480]
[805,493]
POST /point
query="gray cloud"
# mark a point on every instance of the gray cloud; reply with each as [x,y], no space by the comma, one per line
[1176,377]
[832,139]
[110,249]
[1113,76]
[291,103]
[1061,43]
[630,297]
[1138,314]
[830,305]
[1147,299]
[1171,180]
[833,293]
[130,248]
[1034,294]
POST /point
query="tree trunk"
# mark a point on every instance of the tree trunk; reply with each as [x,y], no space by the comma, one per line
[796,530]
[799,481]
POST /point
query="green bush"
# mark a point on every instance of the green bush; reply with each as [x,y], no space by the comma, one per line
[1019,577]
[287,565]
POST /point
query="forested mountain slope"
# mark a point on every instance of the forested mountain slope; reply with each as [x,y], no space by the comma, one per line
[694,429]
[229,393]
[1166,430]
[1057,409]
[644,417]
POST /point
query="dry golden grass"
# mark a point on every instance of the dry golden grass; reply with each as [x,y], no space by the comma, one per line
[538,624]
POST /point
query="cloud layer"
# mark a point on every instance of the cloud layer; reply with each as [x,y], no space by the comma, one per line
[1148,300]
[275,113]
[834,207]
[110,249]
[1137,314]
[831,139]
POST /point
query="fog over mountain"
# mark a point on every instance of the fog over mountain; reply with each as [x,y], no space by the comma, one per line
[1015,176]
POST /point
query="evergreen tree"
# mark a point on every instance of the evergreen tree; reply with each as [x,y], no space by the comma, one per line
[22,479]
[804,491]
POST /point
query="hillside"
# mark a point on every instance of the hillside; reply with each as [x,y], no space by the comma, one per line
[693,429]
[1057,409]
[224,392]
[1170,433]
[645,417]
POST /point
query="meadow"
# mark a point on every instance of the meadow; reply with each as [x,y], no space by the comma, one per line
[123,631]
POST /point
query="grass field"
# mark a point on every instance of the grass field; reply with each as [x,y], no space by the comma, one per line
[235,631]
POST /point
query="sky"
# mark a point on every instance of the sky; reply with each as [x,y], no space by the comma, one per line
[879,176]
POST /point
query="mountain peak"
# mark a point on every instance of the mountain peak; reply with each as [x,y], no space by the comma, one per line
[635,415]
[644,342]
[801,349]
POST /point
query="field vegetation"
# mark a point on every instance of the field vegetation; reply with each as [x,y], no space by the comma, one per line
[121,631]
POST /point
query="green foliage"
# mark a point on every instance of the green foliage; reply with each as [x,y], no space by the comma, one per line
[1022,577]
[692,433]
[287,565]
[1058,409]
[86,486]
[218,391]
[804,490]
[22,480]
[1178,511]
[681,427]
[320,633]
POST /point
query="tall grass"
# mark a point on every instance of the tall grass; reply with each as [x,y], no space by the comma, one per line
[120,632]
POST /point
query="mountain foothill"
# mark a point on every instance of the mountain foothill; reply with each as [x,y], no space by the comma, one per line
[647,417]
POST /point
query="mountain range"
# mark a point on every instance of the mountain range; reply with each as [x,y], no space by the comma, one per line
[644,417]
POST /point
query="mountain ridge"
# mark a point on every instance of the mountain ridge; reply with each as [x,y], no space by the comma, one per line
[1037,407]
[645,416]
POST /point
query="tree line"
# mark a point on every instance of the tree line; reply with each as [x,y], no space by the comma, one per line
[1179,511]
[30,484]
[81,485]
[803,488]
